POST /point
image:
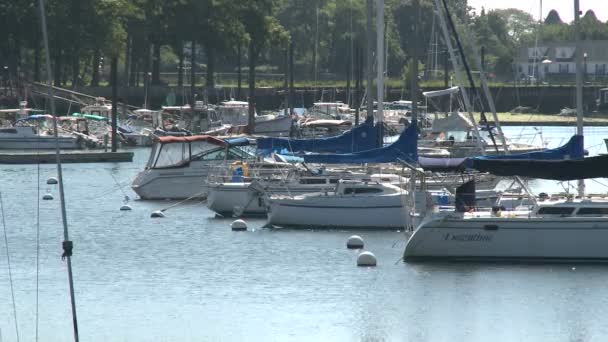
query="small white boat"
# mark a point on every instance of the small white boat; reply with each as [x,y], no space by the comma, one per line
[26,137]
[353,204]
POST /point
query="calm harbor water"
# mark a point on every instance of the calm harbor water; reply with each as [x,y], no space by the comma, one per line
[188,277]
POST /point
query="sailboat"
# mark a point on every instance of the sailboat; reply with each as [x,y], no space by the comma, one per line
[571,229]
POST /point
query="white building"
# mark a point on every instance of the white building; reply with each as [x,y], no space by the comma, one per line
[559,59]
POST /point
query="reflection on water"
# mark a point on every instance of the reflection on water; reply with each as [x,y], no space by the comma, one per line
[188,277]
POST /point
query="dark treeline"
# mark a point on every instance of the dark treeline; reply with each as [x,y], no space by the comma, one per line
[152,37]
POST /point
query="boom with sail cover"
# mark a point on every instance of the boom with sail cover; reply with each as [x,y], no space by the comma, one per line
[405,149]
[592,167]
[573,149]
[360,138]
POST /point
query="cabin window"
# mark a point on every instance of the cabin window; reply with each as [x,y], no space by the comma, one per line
[171,155]
[356,191]
[593,211]
[565,211]
[215,155]
[313,181]
[8,130]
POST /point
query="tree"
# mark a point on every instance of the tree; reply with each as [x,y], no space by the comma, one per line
[262,28]
[553,18]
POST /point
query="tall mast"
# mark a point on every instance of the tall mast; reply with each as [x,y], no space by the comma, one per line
[369,60]
[414,71]
[67,244]
[579,82]
[380,60]
[458,73]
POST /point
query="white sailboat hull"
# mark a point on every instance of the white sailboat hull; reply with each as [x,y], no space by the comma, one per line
[558,239]
[382,212]
[237,200]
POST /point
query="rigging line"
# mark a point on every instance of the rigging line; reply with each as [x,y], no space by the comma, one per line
[8,262]
[118,184]
[37,241]
[67,244]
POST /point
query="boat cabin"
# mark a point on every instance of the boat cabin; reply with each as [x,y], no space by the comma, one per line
[177,152]
[602,100]
[358,187]
[101,107]
[329,110]
[570,208]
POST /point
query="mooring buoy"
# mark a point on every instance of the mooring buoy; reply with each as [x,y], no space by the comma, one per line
[52,180]
[157,214]
[366,259]
[238,225]
[47,197]
[125,207]
[354,242]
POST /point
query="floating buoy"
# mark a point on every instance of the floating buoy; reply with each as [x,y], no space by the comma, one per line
[47,197]
[52,180]
[354,242]
[366,259]
[238,225]
[157,214]
[125,207]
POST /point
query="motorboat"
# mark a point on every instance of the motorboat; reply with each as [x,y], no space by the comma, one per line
[33,132]
[236,114]
[178,167]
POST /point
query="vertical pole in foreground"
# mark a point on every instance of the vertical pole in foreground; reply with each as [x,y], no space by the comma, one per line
[114,67]
[579,82]
[67,244]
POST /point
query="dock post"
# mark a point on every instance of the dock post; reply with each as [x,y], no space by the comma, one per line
[113,76]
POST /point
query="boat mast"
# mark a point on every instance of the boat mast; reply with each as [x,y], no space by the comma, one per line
[458,72]
[579,83]
[414,71]
[380,62]
[67,244]
[369,60]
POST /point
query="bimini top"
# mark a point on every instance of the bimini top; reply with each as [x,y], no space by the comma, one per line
[405,148]
[360,138]
[192,138]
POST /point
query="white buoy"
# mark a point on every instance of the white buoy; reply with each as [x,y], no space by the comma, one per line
[157,214]
[366,259]
[47,197]
[238,225]
[52,180]
[354,242]
[125,207]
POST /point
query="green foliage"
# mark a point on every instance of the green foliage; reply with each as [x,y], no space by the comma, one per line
[154,35]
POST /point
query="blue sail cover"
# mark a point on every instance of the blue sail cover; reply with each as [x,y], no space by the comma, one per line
[405,148]
[573,149]
[360,138]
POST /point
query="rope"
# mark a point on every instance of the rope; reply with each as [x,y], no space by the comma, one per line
[182,201]
[10,273]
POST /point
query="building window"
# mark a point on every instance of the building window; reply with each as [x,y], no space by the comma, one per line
[520,69]
[529,70]
[546,69]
